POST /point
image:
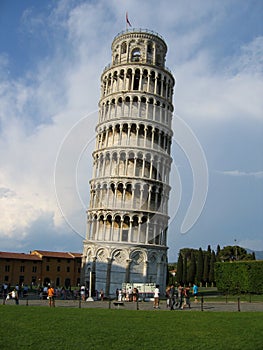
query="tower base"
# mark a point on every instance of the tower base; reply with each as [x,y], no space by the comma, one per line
[115,264]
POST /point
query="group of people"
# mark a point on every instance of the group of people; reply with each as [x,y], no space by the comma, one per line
[14,293]
[180,297]
[132,294]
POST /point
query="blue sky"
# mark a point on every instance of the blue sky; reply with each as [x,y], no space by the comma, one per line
[52,54]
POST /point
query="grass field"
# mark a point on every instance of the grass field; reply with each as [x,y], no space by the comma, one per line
[25,327]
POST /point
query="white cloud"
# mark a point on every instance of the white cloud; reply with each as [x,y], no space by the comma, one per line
[205,93]
[255,174]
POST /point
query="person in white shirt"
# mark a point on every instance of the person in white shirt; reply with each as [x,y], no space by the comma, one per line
[156,297]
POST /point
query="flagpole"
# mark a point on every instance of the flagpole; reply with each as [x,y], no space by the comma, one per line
[127,21]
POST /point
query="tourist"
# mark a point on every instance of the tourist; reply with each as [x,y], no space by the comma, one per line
[186,294]
[130,294]
[120,295]
[51,296]
[156,297]
[195,292]
[180,291]
[171,297]
[167,293]
[83,292]
[135,294]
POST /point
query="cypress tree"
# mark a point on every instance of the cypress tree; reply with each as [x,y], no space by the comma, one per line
[218,252]
[200,266]
[179,274]
[206,268]
[212,268]
[185,270]
[192,269]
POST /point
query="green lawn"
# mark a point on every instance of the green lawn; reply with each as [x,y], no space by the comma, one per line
[26,327]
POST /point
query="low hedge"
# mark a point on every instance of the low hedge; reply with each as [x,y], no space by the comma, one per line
[239,277]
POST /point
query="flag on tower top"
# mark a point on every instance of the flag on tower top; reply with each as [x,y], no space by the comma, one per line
[127,19]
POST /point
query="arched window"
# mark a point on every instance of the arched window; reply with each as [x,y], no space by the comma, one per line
[136,54]
[136,79]
[150,48]
[149,52]
[123,47]
[116,59]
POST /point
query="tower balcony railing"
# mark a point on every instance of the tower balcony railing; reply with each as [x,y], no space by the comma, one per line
[139,30]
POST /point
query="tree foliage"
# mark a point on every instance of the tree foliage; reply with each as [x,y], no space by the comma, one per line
[200,266]
[239,277]
[179,274]
[197,265]
[191,273]
[212,268]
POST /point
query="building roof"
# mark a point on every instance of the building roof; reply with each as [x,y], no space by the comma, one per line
[60,255]
[20,256]
[76,255]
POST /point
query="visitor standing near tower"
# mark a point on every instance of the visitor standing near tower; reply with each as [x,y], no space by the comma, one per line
[195,292]
[156,296]
[51,296]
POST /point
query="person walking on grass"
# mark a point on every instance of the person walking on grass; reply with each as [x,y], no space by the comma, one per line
[51,296]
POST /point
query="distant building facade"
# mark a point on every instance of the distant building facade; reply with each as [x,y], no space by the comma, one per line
[40,268]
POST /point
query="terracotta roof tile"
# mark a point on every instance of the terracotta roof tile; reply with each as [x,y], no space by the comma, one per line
[21,256]
[61,255]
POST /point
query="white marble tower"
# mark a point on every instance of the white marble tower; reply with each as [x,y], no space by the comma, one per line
[127,219]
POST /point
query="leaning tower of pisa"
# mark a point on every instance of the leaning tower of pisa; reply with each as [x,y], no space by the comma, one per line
[127,219]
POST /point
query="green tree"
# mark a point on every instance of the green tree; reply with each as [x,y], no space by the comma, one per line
[218,249]
[206,267]
[212,268]
[191,272]
[231,253]
[200,266]
[185,270]
[179,274]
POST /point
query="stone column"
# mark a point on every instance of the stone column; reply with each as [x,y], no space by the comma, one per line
[108,277]
[127,271]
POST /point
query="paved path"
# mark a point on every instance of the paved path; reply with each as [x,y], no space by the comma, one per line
[207,306]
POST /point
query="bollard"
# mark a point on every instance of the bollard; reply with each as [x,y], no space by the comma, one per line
[80,302]
[27,301]
[202,303]
[137,304]
[109,304]
[238,304]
